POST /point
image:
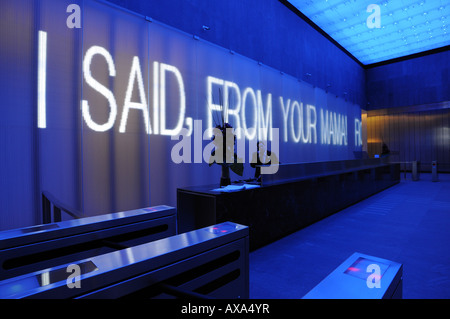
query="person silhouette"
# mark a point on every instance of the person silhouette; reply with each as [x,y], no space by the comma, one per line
[385,150]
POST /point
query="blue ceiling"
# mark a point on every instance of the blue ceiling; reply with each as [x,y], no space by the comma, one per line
[405,26]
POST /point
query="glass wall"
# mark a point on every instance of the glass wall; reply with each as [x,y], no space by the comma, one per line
[118,108]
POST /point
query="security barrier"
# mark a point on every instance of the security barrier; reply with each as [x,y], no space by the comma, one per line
[211,262]
[361,277]
[33,248]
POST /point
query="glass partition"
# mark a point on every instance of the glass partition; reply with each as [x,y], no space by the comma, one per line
[118,116]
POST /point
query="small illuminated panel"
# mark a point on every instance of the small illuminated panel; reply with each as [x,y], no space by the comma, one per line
[375,31]
[361,277]
[359,268]
[223,228]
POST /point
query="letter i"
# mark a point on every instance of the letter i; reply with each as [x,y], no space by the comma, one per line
[156,97]
[42,75]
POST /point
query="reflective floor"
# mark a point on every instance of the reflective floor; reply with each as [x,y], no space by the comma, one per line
[408,223]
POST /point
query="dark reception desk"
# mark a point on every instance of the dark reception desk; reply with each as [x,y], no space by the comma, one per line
[293,198]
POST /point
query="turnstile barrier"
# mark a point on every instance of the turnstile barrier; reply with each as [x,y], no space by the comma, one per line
[25,250]
[361,277]
[208,262]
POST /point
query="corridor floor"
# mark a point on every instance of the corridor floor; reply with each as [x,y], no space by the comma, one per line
[408,223]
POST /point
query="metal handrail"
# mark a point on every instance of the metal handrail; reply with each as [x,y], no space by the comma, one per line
[52,206]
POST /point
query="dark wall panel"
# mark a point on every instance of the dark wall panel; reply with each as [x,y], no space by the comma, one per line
[422,80]
[266,31]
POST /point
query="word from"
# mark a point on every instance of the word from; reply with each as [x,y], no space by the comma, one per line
[374,20]
[262,122]
[73,280]
[74,19]
[374,279]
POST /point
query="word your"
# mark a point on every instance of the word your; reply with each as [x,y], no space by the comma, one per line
[294,115]
[374,20]
[73,280]
[74,19]
[374,279]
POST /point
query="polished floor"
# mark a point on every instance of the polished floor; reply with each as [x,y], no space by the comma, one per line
[408,223]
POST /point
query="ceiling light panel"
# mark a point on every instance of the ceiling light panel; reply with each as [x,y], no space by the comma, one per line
[405,26]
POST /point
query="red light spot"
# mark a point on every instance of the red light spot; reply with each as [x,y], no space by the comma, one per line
[353,269]
[223,231]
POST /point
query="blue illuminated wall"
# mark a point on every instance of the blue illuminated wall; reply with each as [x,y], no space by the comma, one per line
[91,135]
[91,115]
[266,31]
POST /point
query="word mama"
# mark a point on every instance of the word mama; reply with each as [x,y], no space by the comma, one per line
[334,128]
